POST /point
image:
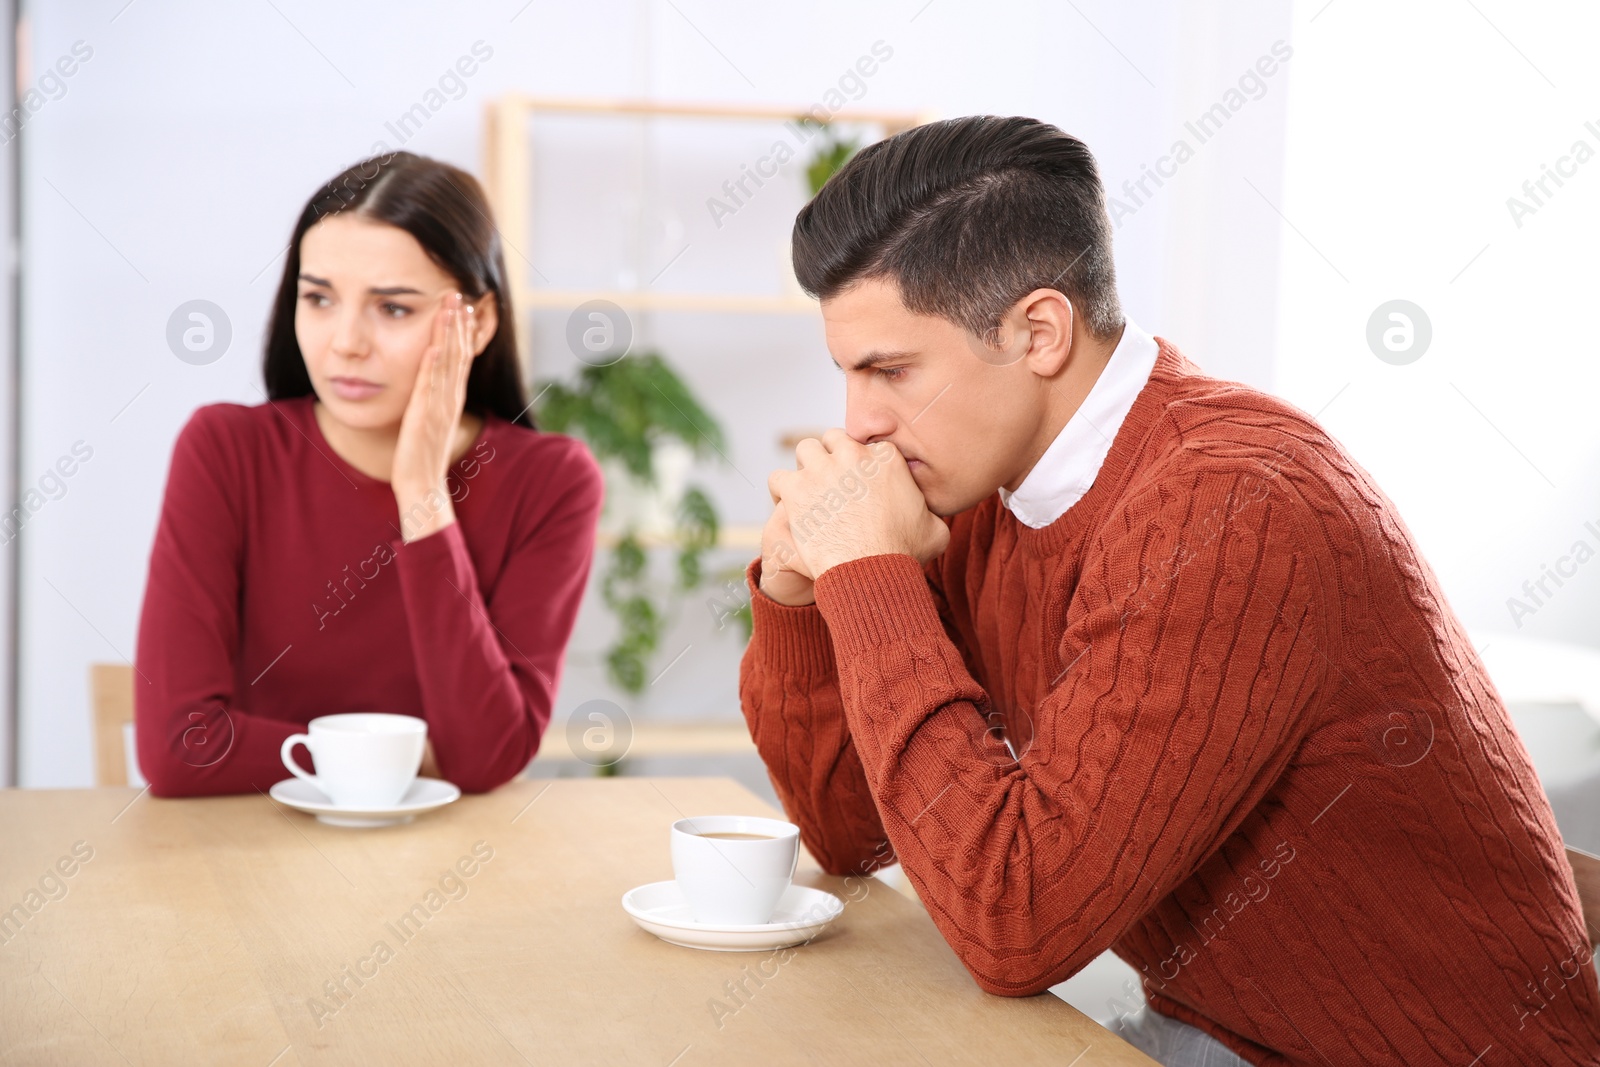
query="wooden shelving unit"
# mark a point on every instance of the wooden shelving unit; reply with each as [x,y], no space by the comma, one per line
[742,537]
[645,300]
[666,739]
[508,181]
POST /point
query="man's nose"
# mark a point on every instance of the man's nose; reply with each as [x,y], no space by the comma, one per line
[865,421]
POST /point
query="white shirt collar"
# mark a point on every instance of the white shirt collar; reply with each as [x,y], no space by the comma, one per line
[1069,466]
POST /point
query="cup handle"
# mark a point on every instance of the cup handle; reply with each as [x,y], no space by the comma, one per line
[294,768]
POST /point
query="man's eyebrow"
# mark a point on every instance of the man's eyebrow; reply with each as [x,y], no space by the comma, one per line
[872,359]
[393,290]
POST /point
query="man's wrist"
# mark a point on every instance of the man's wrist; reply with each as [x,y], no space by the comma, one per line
[851,555]
[881,599]
[798,600]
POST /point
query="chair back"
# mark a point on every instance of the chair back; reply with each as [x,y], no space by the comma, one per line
[111,694]
[1586,873]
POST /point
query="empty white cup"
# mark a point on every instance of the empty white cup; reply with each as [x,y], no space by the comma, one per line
[732,881]
[364,759]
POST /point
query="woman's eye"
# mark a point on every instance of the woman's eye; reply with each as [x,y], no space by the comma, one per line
[396,311]
[313,299]
[892,374]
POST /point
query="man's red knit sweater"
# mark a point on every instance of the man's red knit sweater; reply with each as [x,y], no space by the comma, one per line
[1218,718]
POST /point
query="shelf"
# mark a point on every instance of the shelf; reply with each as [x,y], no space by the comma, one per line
[729,537]
[726,303]
[891,121]
[508,182]
[666,739]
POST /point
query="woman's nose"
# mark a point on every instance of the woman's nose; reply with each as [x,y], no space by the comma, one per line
[350,336]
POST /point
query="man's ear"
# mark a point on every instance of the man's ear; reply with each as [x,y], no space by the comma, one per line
[1049,316]
[486,319]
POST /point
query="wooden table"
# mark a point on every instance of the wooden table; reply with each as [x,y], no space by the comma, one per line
[232,930]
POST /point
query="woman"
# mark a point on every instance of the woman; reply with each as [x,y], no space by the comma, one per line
[388,532]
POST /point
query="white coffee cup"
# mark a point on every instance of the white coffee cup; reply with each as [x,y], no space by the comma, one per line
[734,881]
[364,759]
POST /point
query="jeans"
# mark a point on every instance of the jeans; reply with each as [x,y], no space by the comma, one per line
[1174,1044]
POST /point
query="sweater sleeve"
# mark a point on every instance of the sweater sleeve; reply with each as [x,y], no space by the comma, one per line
[489,668]
[191,739]
[789,691]
[1193,644]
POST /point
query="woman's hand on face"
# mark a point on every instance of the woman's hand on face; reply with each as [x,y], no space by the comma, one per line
[432,416]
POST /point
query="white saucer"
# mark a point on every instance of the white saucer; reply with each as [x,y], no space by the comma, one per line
[425,794]
[802,912]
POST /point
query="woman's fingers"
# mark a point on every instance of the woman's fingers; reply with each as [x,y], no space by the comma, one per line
[438,339]
[468,333]
[443,365]
[421,388]
[456,358]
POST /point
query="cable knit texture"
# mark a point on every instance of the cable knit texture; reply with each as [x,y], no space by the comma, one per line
[1218,718]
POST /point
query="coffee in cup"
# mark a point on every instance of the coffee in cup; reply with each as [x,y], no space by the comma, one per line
[733,869]
[364,759]
[739,837]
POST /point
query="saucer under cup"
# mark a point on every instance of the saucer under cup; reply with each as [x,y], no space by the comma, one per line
[735,879]
[364,759]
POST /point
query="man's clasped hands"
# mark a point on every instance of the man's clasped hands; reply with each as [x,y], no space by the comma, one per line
[844,501]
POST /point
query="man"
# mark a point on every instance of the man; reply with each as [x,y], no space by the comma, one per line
[1110,654]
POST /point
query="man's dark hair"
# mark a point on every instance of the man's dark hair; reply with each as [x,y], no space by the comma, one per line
[966,216]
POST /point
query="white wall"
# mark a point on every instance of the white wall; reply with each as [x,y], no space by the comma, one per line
[9,363]
[1410,128]
[173,167]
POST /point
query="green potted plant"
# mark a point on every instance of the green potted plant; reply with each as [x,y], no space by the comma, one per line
[633,414]
[831,153]
[637,416]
